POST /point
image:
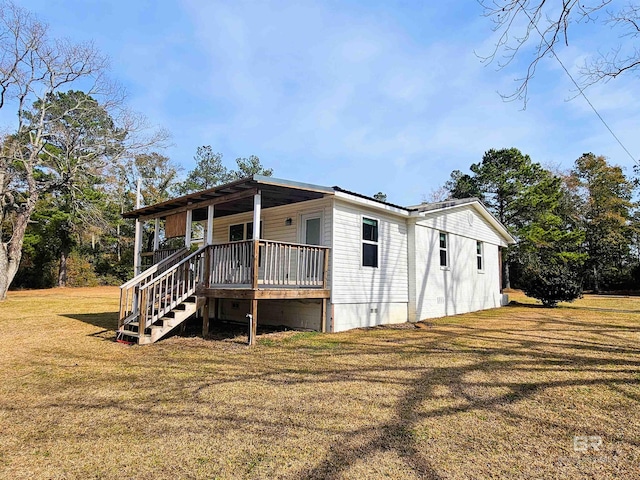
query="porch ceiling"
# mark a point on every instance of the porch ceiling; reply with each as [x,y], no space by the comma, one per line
[235,197]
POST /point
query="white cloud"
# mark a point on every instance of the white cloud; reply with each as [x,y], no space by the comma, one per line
[348,94]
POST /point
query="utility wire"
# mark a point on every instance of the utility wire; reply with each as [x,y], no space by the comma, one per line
[551,49]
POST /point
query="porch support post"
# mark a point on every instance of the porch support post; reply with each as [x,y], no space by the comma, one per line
[187,232]
[323,316]
[210,213]
[137,248]
[257,204]
[253,322]
[137,242]
[156,235]
[206,283]
[205,318]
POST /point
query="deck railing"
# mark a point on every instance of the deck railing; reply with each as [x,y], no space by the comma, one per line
[292,265]
[130,290]
[165,292]
[279,264]
[232,264]
[248,264]
[157,256]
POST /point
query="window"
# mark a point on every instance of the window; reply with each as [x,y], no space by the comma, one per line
[369,242]
[444,257]
[479,255]
[238,232]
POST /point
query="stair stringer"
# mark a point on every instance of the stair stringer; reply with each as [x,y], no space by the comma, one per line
[178,315]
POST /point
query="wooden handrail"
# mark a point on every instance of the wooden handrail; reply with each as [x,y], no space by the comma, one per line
[129,291]
[250,264]
[154,268]
[166,291]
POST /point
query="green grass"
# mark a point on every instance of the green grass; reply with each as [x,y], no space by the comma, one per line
[495,394]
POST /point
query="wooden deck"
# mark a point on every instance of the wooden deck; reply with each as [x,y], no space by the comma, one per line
[251,270]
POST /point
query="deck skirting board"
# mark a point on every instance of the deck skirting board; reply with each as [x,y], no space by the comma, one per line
[264,294]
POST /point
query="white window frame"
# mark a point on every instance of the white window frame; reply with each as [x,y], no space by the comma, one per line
[480,255]
[302,231]
[445,249]
[369,242]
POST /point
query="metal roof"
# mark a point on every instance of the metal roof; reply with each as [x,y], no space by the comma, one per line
[236,197]
[275,192]
[355,194]
[425,207]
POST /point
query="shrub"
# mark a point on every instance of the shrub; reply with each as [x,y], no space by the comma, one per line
[552,283]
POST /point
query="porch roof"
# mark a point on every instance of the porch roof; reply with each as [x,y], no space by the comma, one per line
[235,197]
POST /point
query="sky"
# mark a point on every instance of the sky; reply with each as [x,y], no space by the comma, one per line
[370,95]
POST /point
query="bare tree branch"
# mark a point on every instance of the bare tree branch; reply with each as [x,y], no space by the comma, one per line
[71,124]
[534,29]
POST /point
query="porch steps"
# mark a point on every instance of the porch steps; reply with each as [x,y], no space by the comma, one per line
[129,332]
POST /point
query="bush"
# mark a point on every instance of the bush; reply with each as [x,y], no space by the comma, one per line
[552,284]
[80,271]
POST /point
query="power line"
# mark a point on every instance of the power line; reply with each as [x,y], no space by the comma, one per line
[577,85]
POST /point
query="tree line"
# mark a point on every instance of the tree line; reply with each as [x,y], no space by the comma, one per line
[69,162]
[83,241]
[575,230]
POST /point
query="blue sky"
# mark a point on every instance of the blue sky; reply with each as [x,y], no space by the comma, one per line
[370,95]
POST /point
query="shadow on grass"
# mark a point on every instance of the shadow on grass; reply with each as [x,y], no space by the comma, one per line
[105,320]
[192,327]
[515,303]
[521,350]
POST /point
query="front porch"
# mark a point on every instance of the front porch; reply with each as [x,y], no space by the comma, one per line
[248,268]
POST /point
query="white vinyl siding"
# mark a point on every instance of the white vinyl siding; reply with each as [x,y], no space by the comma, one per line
[458,288]
[353,283]
[274,221]
[464,221]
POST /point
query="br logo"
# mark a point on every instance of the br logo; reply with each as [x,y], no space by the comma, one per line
[583,443]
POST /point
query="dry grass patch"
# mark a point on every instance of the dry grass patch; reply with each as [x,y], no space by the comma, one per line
[495,394]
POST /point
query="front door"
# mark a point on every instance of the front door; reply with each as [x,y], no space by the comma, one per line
[312,229]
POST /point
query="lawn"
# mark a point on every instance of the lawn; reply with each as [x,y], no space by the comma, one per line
[506,393]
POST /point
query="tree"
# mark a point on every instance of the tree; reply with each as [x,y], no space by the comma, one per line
[545,25]
[462,185]
[500,181]
[549,247]
[604,195]
[210,171]
[248,167]
[158,174]
[79,138]
[43,156]
[380,196]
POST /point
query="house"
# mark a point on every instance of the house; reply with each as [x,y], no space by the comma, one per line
[320,258]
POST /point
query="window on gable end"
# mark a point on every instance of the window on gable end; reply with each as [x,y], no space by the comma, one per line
[479,255]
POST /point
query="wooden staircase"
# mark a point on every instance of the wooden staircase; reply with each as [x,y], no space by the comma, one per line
[130,332]
[164,296]
[161,298]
